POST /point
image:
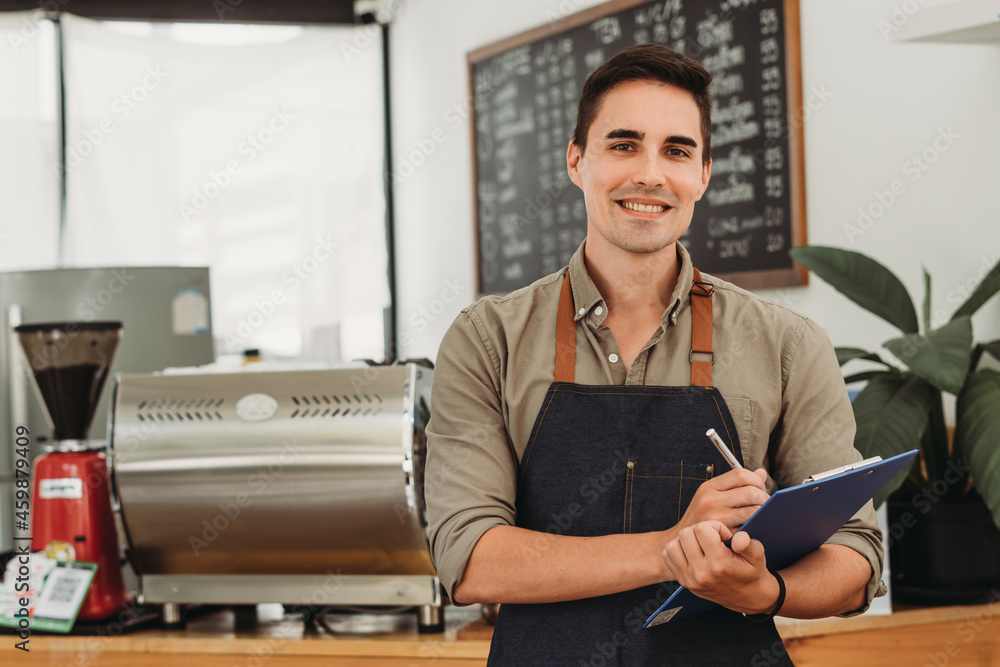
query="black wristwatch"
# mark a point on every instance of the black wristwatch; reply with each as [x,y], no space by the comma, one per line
[759,618]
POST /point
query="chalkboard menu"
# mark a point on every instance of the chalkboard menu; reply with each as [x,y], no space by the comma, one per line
[530,217]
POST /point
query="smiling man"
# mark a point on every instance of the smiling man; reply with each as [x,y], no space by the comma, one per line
[568,474]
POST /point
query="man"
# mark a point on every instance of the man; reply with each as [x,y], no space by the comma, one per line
[579,503]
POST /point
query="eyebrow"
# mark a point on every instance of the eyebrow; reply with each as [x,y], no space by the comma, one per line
[639,136]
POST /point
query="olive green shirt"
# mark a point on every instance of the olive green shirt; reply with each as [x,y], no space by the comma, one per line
[776,369]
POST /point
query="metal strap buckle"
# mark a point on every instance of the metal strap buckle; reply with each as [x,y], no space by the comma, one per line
[691,354]
[707,289]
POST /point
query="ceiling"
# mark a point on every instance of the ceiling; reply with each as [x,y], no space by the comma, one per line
[214,11]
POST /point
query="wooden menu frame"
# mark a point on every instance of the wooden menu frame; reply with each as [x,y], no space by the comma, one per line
[754,279]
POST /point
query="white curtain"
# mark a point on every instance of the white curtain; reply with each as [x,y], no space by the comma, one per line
[255,150]
[29,143]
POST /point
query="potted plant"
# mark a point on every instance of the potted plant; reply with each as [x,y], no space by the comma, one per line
[944,509]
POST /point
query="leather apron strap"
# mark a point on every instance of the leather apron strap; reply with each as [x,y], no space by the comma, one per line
[565,335]
[701,333]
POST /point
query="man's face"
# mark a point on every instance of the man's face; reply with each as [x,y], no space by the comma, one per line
[642,170]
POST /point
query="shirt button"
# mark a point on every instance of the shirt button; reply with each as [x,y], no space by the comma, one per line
[598,310]
[613,358]
[581,311]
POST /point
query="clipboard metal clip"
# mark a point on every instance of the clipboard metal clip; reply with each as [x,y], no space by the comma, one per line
[836,471]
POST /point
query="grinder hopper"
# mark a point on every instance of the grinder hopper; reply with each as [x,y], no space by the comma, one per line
[70,362]
[71,513]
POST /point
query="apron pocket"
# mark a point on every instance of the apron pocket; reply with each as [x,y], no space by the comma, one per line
[656,494]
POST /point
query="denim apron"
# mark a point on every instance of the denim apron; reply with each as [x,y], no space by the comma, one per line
[624,459]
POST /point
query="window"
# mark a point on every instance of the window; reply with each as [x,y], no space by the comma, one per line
[257,150]
[29,143]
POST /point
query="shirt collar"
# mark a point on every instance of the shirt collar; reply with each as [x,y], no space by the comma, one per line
[586,296]
[682,290]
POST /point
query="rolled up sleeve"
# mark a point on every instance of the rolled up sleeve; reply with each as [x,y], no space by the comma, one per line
[816,433]
[471,469]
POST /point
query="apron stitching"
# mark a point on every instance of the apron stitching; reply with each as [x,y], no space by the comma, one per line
[724,425]
[680,492]
[631,495]
[698,479]
[628,474]
[531,444]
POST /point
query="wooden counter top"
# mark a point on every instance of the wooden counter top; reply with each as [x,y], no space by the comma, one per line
[953,636]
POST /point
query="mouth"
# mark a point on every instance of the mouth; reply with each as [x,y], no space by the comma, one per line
[654,208]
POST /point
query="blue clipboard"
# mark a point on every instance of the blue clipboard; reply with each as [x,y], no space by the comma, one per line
[796,521]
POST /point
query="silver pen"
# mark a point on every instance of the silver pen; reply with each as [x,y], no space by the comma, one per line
[721,446]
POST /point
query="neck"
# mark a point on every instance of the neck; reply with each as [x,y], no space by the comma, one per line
[634,283]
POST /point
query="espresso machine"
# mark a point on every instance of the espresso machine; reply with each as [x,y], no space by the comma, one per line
[71,512]
[300,487]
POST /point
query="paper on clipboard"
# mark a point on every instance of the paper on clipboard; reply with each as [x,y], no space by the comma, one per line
[798,520]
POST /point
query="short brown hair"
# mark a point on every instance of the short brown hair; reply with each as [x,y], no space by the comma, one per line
[646,62]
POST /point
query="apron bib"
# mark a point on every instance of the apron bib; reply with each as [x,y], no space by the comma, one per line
[624,459]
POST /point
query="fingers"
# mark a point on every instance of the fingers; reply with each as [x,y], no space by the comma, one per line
[705,540]
[731,498]
[700,561]
[750,549]
[741,541]
[740,477]
[732,507]
[693,543]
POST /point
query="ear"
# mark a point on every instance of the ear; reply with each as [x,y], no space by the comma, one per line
[573,156]
[706,175]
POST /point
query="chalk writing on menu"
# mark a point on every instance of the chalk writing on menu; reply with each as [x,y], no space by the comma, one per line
[531,217]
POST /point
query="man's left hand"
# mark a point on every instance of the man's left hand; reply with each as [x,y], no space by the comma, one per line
[736,578]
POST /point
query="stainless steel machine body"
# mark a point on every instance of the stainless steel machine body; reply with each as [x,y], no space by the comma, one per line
[301,487]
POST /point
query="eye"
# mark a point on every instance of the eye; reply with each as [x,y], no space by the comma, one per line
[622,147]
[677,152]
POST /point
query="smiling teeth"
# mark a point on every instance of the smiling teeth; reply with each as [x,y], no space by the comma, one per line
[643,208]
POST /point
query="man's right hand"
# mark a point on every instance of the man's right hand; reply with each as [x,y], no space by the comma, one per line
[731,499]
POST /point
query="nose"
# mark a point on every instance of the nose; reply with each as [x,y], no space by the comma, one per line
[651,171]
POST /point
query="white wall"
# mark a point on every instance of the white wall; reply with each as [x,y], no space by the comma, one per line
[886,102]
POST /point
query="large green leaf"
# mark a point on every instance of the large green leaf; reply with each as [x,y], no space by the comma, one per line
[862,280]
[863,376]
[987,287]
[977,435]
[940,357]
[845,354]
[993,347]
[891,414]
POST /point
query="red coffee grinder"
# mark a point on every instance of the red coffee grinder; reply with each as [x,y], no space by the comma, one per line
[71,515]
